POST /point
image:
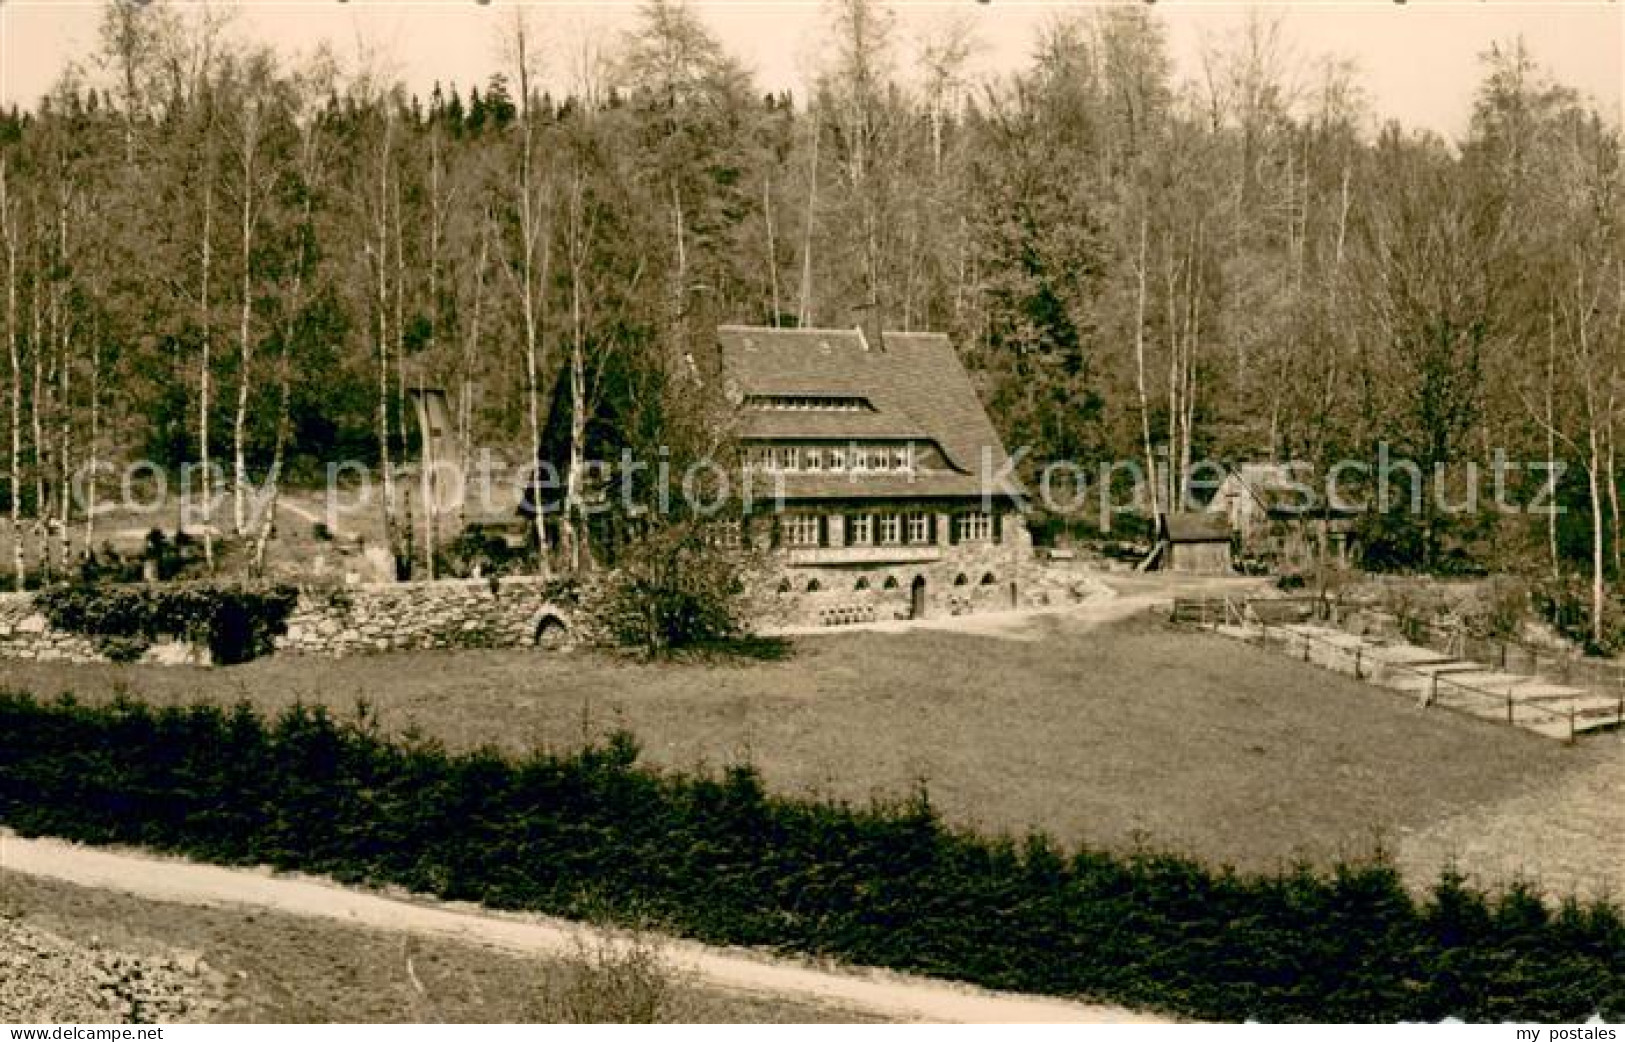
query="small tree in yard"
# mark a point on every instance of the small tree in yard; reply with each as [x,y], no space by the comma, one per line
[674,589]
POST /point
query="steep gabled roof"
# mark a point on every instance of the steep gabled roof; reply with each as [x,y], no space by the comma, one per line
[914,382]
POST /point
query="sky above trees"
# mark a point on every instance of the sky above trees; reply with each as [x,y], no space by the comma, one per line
[1418,61]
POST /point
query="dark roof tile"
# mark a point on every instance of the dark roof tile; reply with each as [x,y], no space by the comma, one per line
[913,380]
[1197,528]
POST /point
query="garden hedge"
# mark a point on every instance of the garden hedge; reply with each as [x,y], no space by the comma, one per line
[593,834]
[235,622]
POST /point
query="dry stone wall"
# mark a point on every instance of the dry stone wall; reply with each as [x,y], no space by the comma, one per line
[350,620]
[450,614]
[27,635]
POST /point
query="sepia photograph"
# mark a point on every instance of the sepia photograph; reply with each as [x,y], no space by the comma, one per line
[812,512]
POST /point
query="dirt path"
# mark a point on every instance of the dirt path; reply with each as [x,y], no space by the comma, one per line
[1117,597]
[893,996]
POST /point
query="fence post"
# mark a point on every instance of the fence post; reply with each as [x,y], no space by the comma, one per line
[1433,689]
[1571,723]
[1509,706]
[1359,650]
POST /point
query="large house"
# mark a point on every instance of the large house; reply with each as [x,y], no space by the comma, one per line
[872,466]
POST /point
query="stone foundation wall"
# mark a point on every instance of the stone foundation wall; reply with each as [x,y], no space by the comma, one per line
[346,621]
[963,579]
[448,614]
[26,635]
[351,620]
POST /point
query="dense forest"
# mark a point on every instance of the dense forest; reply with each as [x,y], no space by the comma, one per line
[213,254]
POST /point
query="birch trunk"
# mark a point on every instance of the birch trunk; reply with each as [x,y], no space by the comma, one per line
[403,426]
[471,342]
[380,251]
[1612,472]
[1139,360]
[37,421]
[64,412]
[267,518]
[8,228]
[530,227]
[431,499]
[1176,381]
[245,343]
[579,245]
[772,246]
[1551,438]
[804,313]
[93,450]
[1192,343]
[1594,486]
[408,529]
[204,375]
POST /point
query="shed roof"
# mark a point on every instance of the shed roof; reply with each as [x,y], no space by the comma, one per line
[1197,528]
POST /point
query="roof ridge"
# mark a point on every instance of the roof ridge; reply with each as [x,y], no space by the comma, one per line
[736,327]
[825,331]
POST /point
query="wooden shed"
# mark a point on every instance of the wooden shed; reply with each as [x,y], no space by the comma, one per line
[1197,544]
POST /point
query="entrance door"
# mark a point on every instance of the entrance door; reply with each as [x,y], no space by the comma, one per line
[917,598]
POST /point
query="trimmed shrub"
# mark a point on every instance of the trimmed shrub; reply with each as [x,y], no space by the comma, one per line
[672,589]
[593,835]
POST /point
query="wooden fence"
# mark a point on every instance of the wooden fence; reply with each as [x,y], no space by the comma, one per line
[1272,627]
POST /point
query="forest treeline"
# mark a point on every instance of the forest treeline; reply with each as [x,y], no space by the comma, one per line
[212,253]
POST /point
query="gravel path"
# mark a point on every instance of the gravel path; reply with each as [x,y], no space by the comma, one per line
[889,995]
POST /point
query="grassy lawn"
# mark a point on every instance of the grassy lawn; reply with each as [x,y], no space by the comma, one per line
[1113,736]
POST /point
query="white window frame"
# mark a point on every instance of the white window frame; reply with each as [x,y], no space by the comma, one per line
[787,458]
[729,534]
[919,528]
[860,530]
[891,529]
[974,528]
[801,530]
[812,458]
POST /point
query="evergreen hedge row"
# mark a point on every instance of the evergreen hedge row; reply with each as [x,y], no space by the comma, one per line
[592,834]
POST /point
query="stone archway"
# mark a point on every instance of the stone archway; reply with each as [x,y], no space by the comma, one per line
[551,633]
[916,598]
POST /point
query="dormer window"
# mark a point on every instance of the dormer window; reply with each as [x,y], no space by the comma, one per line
[806,403]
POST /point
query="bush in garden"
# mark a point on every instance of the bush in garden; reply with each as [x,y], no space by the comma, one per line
[673,588]
[236,622]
